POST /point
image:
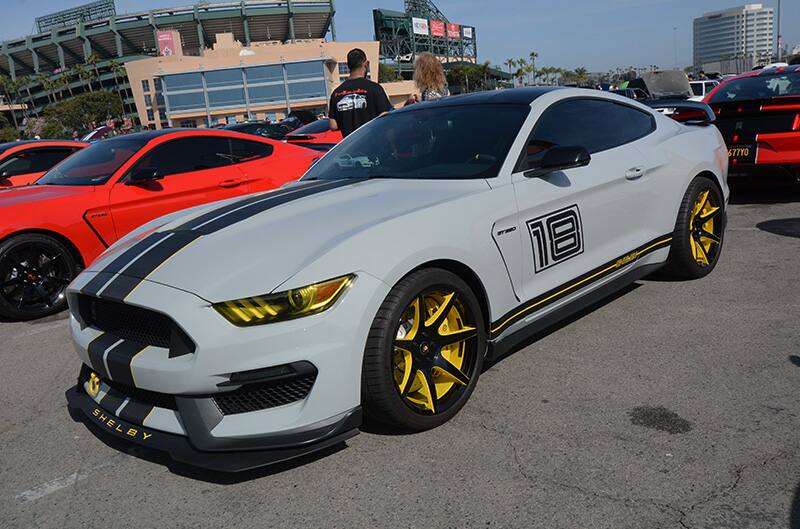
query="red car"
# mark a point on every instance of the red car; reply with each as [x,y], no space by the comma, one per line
[758,114]
[317,135]
[23,162]
[51,229]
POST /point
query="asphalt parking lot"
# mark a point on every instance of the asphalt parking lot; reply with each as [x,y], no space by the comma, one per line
[671,405]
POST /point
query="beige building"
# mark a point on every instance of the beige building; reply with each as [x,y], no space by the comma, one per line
[233,83]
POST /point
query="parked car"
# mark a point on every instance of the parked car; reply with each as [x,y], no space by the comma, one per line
[631,93]
[701,88]
[264,129]
[54,228]
[317,135]
[428,241]
[23,162]
[758,114]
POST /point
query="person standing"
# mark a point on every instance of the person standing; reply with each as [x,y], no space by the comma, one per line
[358,100]
[429,77]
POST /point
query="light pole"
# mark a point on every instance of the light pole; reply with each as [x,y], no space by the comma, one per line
[675,44]
[779,31]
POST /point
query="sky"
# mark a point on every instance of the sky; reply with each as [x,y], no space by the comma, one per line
[593,34]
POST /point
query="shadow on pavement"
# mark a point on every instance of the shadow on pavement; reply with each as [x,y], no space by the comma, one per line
[766,191]
[563,323]
[786,227]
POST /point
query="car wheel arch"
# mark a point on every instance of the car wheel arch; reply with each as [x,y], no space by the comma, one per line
[76,253]
[469,276]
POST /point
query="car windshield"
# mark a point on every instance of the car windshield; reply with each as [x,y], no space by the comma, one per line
[761,87]
[93,165]
[434,142]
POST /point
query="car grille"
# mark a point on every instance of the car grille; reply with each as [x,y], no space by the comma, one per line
[262,396]
[136,324]
[159,400]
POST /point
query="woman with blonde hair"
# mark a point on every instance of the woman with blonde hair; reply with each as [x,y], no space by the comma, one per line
[429,77]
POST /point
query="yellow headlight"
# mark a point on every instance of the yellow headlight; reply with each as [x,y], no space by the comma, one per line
[287,305]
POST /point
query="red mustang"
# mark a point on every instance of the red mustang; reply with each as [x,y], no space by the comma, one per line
[758,114]
[51,229]
[316,135]
[23,162]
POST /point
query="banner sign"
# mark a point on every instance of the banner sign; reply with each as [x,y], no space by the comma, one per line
[468,32]
[420,26]
[437,28]
[453,31]
[166,44]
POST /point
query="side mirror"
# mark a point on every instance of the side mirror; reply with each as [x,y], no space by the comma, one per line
[5,174]
[558,159]
[144,174]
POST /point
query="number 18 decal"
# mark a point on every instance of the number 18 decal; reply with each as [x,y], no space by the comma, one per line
[556,237]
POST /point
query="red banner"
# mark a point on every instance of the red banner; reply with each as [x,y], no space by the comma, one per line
[166,43]
[453,31]
[437,28]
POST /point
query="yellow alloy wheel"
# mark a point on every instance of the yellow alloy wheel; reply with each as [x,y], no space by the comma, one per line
[432,351]
[704,228]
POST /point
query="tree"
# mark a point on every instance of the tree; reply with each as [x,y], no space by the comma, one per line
[533,56]
[92,61]
[77,113]
[581,76]
[387,73]
[7,88]
[26,81]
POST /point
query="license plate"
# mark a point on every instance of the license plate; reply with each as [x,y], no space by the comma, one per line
[742,153]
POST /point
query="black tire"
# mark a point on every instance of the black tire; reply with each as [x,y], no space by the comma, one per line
[682,262]
[381,395]
[34,272]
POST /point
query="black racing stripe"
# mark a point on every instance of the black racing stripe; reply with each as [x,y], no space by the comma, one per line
[96,349]
[260,207]
[124,283]
[119,361]
[97,282]
[135,411]
[575,285]
[211,215]
[112,400]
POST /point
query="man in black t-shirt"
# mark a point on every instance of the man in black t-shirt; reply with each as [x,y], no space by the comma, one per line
[357,100]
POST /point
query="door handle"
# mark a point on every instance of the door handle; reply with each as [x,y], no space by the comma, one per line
[634,173]
[232,182]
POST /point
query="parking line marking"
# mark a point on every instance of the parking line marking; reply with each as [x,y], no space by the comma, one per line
[49,487]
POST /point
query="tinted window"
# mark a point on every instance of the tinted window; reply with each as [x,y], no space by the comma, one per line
[697,88]
[35,161]
[95,164]
[761,87]
[590,123]
[245,151]
[434,142]
[223,78]
[185,155]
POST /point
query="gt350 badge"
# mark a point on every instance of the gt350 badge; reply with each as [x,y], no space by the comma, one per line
[556,237]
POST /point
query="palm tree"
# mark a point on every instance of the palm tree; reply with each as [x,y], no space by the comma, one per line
[533,56]
[83,75]
[581,75]
[26,81]
[92,61]
[6,86]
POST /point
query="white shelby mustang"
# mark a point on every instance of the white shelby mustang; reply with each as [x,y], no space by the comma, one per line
[254,330]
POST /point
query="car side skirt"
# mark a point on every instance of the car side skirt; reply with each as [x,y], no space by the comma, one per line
[503,346]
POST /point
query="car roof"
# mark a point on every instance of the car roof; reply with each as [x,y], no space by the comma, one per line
[12,144]
[766,72]
[512,96]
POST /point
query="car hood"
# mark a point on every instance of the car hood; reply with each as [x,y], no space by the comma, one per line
[257,253]
[19,196]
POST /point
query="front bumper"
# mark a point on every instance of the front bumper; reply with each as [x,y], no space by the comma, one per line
[239,455]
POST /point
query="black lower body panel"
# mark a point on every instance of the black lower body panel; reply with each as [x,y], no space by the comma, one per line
[181,449]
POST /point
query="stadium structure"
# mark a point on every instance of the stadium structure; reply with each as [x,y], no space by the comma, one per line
[85,48]
[422,27]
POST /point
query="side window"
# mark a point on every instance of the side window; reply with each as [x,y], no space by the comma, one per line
[185,155]
[245,151]
[35,161]
[593,124]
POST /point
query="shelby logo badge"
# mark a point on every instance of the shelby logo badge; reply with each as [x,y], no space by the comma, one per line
[556,237]
[117,426]
[94,385]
